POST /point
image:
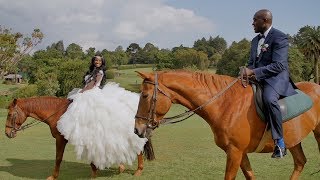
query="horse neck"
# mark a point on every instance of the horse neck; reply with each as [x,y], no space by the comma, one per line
[41,108]
[195,89]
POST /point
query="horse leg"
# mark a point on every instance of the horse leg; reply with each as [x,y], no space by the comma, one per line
[246,167]
[60,145]
[121,168]
[93,170]
[316,133]
[299,160]
[234,158]
[140,165]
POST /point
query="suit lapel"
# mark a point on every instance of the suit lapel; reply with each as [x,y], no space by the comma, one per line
[255,46]
[266,41]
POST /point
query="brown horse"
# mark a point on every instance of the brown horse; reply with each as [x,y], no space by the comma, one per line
[230,111]
[47,110]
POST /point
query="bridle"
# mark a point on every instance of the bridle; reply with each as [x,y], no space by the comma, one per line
[152,123]
[13,123]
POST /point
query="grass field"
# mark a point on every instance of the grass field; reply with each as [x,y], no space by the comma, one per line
[129,79]
[184,150]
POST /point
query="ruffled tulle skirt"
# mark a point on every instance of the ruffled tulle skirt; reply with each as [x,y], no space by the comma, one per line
[100,124]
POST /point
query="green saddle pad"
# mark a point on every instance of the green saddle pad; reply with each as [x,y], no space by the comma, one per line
[291,106]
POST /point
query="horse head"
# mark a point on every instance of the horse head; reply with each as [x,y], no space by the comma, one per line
[155,101]
[16,117]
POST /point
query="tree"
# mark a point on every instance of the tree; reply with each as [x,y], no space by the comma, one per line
[70,75]
[58,46]
[147,54]
[235,56]
[119,48]
[218,43]
[214,48]
[13,46]
[119,57]
[90,52]
[47,82]
[133,50]
[190,58]
[164,59]
[214,59]
[300,67]
[308,41]
[74,51]
[56,50]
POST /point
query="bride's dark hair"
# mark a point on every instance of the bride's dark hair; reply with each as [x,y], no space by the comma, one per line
[93,70]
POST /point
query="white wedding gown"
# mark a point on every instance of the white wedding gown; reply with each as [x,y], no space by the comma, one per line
[100,124]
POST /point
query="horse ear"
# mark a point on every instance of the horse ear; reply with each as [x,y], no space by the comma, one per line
[144,75]
[14,102]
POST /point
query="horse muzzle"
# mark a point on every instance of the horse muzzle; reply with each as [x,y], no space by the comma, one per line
[140,133]
[11,134]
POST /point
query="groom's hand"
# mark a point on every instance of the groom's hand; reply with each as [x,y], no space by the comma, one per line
[248,72]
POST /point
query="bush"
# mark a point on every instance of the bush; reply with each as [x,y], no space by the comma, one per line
[110,74]
[8,82]
[27,91]
[133,66]
[4,101]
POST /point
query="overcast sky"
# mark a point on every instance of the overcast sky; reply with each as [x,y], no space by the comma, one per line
[105,24]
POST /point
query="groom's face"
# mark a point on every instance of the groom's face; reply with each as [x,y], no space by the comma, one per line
[259,24]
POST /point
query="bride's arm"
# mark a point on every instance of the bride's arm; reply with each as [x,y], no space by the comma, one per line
[92,83]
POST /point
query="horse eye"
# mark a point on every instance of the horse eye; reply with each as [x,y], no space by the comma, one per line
[145,95]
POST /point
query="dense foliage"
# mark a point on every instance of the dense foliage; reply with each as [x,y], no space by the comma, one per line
[57,69]
[234,57]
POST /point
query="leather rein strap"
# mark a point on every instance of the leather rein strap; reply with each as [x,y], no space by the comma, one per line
[153,123]
[243,77]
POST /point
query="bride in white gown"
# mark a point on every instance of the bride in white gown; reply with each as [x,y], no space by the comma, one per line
[100,122]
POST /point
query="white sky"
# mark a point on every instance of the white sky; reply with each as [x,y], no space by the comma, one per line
[105,24]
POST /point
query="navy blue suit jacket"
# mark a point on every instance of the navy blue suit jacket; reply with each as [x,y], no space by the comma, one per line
[271,66]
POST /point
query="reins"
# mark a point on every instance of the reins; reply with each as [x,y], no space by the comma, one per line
[244,81]
[153,123]
[243,76]
[192,112]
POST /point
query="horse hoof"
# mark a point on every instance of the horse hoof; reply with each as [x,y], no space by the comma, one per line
[51,178]
[138,173]
[121,168]
[93,175]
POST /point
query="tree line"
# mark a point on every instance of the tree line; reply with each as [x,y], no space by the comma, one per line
[56,69]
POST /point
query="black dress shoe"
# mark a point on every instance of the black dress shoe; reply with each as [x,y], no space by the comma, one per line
[279,152]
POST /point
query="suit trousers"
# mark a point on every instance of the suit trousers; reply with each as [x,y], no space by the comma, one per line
[272,111]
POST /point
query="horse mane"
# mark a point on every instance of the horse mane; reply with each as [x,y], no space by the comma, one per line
[199,79]
[42,103]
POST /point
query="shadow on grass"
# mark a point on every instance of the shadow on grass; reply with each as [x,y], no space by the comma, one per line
[41,169]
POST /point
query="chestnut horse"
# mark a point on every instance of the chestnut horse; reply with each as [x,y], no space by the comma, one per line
[230,111]
[47,110]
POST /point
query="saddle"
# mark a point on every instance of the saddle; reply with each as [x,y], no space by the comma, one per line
[291,106]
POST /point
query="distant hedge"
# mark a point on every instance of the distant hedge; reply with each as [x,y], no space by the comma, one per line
[133,66]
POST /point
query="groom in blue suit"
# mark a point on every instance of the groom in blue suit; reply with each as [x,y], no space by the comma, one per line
[268,63]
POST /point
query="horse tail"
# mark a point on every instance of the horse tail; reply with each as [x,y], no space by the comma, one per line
[148,150]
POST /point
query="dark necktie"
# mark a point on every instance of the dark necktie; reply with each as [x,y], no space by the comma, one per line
[260,36]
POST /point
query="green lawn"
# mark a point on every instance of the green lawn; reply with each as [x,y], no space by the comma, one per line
[129,79]
[184,150]
[9,88]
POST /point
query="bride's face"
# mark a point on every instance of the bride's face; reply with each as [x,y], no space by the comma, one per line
[97,61]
